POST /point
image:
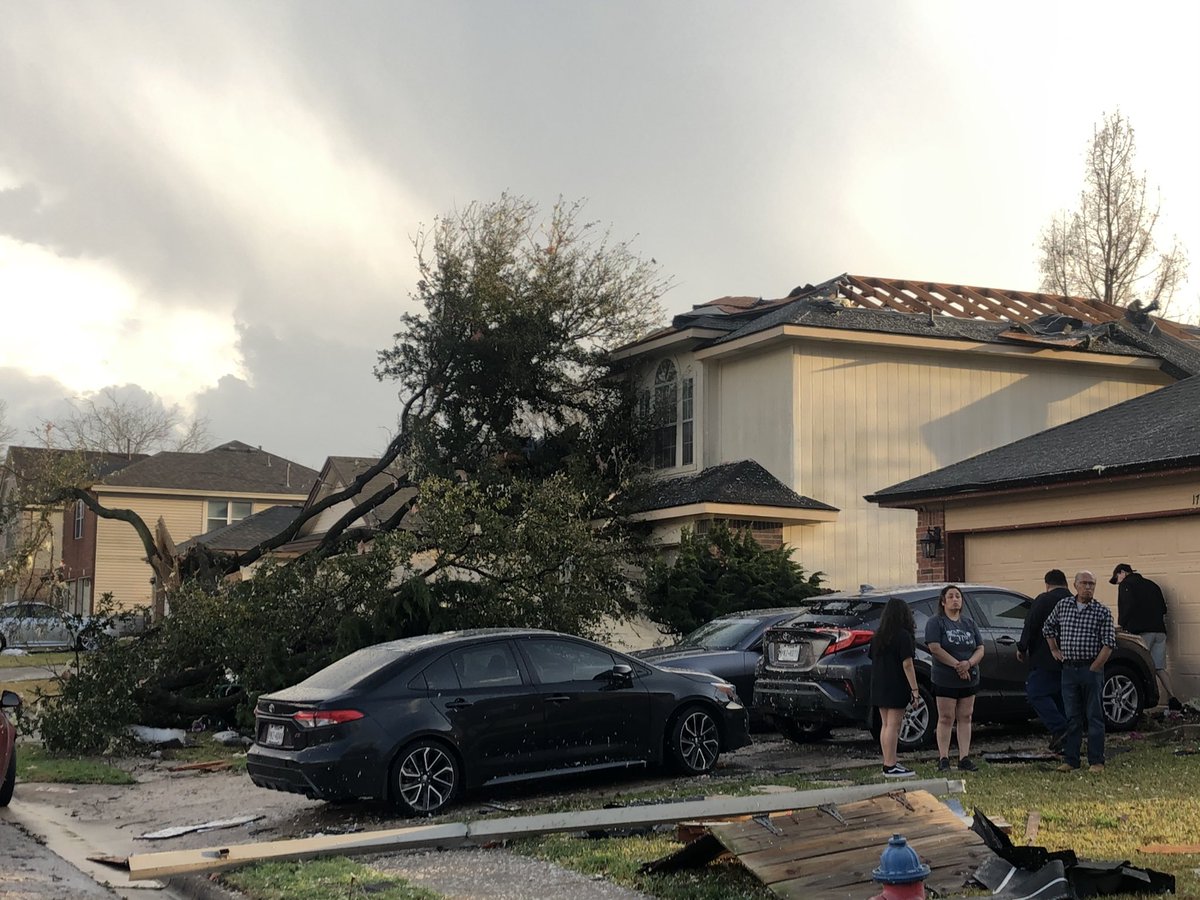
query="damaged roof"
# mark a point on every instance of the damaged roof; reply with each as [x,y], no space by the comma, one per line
[941,310]
[245,533]
[744,482]
[1153,432]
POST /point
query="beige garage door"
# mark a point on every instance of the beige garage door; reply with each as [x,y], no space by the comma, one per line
[1166,550]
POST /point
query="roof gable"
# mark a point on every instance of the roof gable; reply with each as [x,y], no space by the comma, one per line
[744,482]
[234,467]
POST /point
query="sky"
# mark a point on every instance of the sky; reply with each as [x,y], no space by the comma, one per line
[212,204]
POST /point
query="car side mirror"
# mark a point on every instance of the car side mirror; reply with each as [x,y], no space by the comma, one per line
[12,700]
[621,673]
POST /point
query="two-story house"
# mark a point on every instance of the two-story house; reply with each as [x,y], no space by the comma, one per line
[784,414]
[192,493]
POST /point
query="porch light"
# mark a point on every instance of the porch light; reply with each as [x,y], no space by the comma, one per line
[932,542]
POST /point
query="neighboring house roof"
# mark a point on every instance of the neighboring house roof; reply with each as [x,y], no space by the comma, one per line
[246,533]
[26,462]
[234,467]
[744,483]
[340,471]
[1154,432]
[940,310]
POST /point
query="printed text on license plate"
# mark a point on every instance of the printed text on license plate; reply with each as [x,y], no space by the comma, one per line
[789,652]
[275,735]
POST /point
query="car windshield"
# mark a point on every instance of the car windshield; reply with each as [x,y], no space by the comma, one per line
[350,670]
[838,609]
[720,634]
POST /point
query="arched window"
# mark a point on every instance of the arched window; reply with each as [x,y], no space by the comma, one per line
[666,414]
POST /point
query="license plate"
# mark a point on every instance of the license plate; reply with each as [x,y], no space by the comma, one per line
[788,653]
[275,735]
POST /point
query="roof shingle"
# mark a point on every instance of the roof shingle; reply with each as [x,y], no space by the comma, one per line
[744,482]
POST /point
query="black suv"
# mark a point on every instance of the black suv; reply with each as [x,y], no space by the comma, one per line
[815,671]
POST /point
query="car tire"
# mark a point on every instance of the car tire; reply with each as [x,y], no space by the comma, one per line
[1122,698]
[425,778]
[693,741]
[919,728]
[10,779]
[3,643]
[802,732]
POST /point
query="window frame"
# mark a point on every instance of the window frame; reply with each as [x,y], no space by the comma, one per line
[79,518]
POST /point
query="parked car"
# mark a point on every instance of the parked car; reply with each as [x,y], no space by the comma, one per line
[816,669]
[729,647]
[33,625]
[417,721]
[10,702]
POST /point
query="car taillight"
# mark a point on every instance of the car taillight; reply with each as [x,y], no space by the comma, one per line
[318,718]
[845,638]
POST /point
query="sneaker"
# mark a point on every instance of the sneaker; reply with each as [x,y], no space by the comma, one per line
[966,764]
[944,764]
[1096,767]
[898,771]
[1174,705]
[1066,767]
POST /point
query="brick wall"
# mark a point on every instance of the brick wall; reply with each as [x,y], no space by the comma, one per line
[930,569]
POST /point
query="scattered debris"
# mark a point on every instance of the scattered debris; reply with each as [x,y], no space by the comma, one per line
[804,855]
[1036,872]
[161,737]
[1022,756]
[231,739]
[212,765]
[1032,824]
[502,807]
[13,651]
[1170,848]
[481,831]
[204,826]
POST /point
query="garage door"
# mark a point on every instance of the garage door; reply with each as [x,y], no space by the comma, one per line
[1165,550]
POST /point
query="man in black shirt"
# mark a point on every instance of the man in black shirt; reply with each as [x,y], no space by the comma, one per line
[1043,687]
[1142,610]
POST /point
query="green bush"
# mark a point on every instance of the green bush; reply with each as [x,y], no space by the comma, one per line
[723,571]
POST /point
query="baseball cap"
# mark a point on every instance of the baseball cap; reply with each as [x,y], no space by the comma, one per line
[1121,567]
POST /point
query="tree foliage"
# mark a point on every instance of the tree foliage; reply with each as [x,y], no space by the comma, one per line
[723,571]
[1107,247]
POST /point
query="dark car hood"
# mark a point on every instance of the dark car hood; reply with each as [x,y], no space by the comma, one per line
[694,674]
[670,657]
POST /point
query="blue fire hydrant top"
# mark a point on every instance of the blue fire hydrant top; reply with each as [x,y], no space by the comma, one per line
[899,863]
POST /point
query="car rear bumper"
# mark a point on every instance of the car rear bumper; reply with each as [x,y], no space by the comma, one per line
[320,773]
[808,701]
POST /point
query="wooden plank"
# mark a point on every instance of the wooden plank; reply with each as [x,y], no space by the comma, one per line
[1031,825]
[153,865]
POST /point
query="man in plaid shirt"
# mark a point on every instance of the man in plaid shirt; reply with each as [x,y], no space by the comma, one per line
[1081,636]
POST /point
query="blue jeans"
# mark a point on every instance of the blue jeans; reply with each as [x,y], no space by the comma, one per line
[1043,687]
[1081,689]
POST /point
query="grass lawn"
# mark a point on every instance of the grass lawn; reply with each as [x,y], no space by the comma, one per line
[1146,796]
[35,764]
[334,877]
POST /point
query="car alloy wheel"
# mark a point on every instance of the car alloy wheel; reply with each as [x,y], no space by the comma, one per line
[917,724]
[426,778]
[695,741]
[1121,700]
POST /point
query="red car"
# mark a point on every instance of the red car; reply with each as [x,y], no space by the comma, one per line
[9,700]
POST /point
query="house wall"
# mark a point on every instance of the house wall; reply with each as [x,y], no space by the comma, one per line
[29,525]
[871,416]
[1151,522]
[748,411]
[121,566]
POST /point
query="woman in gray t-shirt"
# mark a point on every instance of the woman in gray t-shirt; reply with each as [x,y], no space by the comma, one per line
[956,647]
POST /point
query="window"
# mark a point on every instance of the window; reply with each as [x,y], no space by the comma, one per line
[488,666]
[1000,610]
[226,512]
[666,414]
[688,416]
[437,677]
[558,662]
[78,519]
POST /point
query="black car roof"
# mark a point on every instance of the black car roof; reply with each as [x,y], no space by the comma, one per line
[451,638]
[908,591]
[757,613]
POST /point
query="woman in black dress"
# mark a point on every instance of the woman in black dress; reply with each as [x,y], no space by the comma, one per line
[893,679]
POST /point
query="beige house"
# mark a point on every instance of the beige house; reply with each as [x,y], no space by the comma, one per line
[192,493]
[31,530]
[1121,485]
[840,389]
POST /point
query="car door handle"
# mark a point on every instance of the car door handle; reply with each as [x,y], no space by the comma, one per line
[558,698]
[458,703]
[1006,640]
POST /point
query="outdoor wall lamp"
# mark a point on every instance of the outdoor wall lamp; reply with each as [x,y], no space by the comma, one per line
[932,542]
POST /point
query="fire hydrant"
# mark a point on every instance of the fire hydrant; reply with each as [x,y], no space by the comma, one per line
[901,872]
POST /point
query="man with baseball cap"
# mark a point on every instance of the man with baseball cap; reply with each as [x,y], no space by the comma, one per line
[1142,610]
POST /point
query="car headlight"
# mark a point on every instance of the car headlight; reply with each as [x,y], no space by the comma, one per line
[726,692]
